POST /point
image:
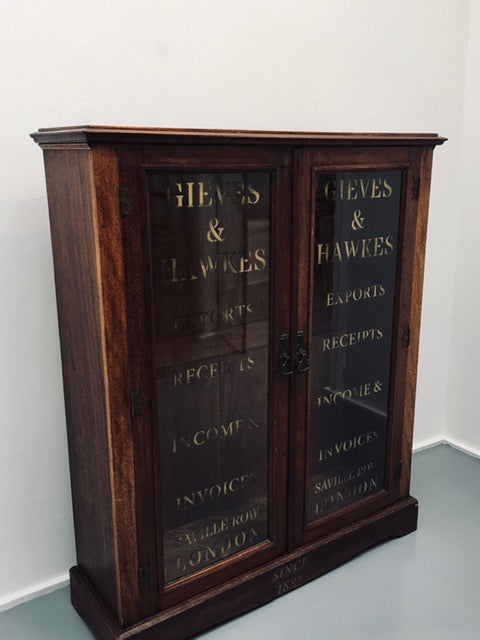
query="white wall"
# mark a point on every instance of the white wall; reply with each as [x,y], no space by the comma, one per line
[345,65]
[464,367]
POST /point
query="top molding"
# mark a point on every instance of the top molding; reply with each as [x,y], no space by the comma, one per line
[91,134]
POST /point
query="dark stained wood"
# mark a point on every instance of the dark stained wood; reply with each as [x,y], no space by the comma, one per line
[121,426]
[86,235]
[106,309]
[147,135]
[400,427]
[301,284]
[133,162]
[140,376]
[72,219]
[422,165]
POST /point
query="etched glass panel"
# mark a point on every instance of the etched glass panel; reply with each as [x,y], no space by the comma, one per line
[355,257]
[210,239]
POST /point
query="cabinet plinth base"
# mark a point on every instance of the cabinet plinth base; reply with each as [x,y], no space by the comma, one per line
[251,589]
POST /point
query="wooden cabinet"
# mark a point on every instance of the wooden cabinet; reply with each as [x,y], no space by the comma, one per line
[239,318]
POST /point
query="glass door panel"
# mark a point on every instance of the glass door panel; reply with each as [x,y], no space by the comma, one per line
[356,227]
[210,266]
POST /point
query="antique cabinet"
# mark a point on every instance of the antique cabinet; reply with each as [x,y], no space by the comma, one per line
[239,320]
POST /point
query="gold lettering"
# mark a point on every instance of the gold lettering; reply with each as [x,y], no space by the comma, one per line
[366,242]
[218,526]
[204,555]
[338,480]
[243,517]
[190,204]
[254,195]
[355,188]
[179,196]
[352,193]
[174,270]
[323,251]
[329,190]
[344,446]
[214,491]
[366,292]
[201,194]
[260,257]
[246,365]
[243,262]
[211,370]
[358,248]
[389,243]
[387,189]
[206,319]
[351,339]
[337,254]
[378,246]
[208,264]
[228,266]
[330,398]
[288,585]
[351,249]
[364,184]
[346,494]
[220,194]
[173,262]
[201,437]
[376,193]
[290,568]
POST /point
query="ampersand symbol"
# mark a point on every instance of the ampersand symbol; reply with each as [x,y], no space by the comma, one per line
[216,233]
[357,222]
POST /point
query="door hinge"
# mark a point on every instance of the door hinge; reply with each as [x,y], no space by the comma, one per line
[416,188]
[144,577]
[398,470]
[406,336]
[136,404]
[125,202]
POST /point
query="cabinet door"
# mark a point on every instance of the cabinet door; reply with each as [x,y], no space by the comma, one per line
[356,232]
[207,255]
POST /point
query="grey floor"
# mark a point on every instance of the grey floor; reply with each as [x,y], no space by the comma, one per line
[424,586]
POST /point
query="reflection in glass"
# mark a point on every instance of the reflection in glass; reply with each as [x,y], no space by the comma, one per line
[210,242]
[355,256]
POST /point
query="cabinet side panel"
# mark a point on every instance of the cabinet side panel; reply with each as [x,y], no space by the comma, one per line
[69,186]
[422,163]
[133,603]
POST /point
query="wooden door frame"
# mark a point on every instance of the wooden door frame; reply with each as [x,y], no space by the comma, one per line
[415,165]
[134,164]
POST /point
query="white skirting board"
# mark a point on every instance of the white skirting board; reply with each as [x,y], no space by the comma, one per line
[34,591]
[455,444]
[62,580]
[428,444]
